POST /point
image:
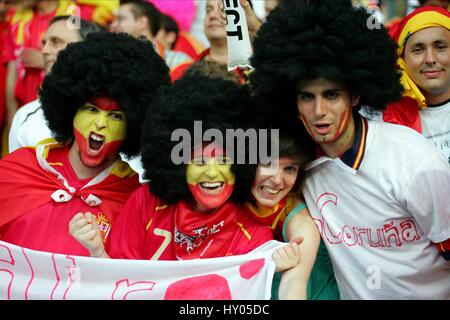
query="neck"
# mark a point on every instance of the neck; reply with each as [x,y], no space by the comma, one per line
[343,143]
[46,7]
[263,210]
[81,170]
[219,52]
[437,98]
[146,34]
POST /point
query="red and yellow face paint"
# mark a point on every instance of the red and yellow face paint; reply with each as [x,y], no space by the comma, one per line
[99,128]
[210,178]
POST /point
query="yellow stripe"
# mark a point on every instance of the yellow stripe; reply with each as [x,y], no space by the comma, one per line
[148,225]
[249,237]
[421,21]
[161,207]
[362,146]
[198,47]
[345,120]
[55,164]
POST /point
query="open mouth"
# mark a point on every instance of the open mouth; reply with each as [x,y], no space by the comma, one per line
[96,142]
[269,190]
[322,128]
[212,187]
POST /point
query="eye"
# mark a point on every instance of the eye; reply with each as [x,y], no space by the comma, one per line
[305,96]
[90,108]
[331,94]
[417,50]
[441,47]
[117,116]
[291,169]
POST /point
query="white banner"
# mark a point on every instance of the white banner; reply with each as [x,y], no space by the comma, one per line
[28,274]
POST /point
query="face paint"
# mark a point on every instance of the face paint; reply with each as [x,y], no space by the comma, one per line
[209,178]
[99,130]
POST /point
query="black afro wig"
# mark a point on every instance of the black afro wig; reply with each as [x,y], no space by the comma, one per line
[105,64]
[304,40]
[219,104]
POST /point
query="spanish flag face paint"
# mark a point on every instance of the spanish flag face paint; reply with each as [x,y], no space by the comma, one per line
[325,108]
[99,130]
[209,178]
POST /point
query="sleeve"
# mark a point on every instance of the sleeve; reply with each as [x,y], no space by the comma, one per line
[427,198]
[13,138]
[126,240]
[291,214]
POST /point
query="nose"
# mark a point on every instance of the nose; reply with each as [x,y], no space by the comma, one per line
[212,170]
[319,107]
[430,58]
[46,48]
[277,179]
[100,121]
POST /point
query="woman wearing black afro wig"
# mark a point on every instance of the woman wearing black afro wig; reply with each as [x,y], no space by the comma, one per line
[195,204]
[317,62]
[94,100]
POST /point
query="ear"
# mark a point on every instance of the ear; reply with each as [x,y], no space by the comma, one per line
[354,101]
[143,23]
[171,37]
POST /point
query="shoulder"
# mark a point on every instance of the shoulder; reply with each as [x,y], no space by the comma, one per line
[401,139]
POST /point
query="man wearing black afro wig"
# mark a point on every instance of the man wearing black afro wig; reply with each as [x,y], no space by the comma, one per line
[378,192]
[94,101]
[196,203]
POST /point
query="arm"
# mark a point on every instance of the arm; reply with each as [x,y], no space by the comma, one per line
[294,281]
[253,22]
[83,227]
[11,102]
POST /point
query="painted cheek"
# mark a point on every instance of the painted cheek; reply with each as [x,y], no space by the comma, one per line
[211,201]
[343,123]
[82,122]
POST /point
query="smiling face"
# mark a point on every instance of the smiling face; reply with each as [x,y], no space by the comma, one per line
[214,28]
[271,185]
[210,179]
[99,130]
[427,58]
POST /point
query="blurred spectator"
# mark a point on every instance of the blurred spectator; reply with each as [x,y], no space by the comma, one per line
[172,38]
[140,18]
[28,126]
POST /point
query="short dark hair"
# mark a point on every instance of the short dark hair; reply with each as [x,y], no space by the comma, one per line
[86,27]
[141,8]
[114,65]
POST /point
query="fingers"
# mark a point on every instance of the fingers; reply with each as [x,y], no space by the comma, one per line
[80,220]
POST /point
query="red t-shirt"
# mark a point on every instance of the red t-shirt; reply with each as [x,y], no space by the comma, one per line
[145,230]
[45,228]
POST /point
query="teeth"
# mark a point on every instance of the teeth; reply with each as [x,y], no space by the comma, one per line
[96,137]
[270,190]
[211,184]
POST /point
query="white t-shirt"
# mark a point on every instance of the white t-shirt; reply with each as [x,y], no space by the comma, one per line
[435,123]
[379,208]
[29,127]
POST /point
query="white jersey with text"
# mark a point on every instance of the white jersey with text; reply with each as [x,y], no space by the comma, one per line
[380,208]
